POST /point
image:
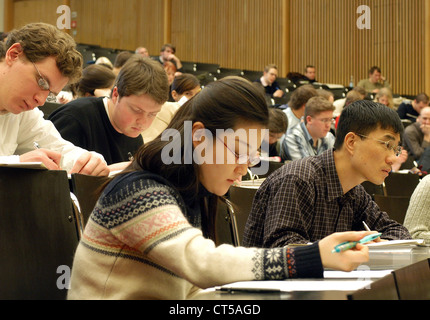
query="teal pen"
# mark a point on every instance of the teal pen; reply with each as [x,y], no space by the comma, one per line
[349,245]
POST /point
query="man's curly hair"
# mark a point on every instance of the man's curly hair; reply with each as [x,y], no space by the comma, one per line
[42,40]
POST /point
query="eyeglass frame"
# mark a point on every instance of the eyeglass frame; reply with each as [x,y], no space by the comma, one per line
[326,120]
[397,149]
[44,85]
[251,161]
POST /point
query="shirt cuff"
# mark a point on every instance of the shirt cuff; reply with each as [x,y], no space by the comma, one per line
[308,261]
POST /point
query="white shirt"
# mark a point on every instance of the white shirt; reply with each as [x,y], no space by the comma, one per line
[18,132]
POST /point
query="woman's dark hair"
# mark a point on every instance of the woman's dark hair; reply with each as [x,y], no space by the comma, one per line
[220,105]
[94,77]
[185,82]
[365,116]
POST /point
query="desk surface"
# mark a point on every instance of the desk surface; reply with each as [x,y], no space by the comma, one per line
[379,260]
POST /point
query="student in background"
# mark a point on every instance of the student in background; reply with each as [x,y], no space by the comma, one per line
[375,82]
[186,85]
[39,61]
[416,138]
[278,124]
[268,80]
[167,53]
[385,97]
[120,61]
[310,73]
[311,198]
[410,110]
[96,81]
[113,125]
[152,232]
[297,103]
[142,51]
[312,136]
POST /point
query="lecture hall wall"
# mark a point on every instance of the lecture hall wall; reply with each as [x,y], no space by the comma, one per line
[249,34]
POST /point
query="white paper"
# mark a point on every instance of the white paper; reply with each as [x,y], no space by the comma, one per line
[24,165]
[297,285]
[395,243]
[357,274]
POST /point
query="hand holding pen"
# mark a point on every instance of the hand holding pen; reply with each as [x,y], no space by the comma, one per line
[352,244]
[51,159]
[346,260]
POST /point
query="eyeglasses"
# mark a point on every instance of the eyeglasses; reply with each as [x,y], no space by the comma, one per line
[252,160]
[396,148]
[326,121]
[44,85]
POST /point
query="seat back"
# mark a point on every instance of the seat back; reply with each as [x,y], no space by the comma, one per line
[395,206]
[401,184]
[408,283]
[382,289]
[87,191]
[38,235]
[413,281]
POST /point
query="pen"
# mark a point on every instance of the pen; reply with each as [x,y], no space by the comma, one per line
[36,145]
[249,290]
[366,226]
[351,244]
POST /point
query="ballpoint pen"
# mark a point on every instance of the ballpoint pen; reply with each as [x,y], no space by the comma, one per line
[351,244]
[36,145]
[366,226]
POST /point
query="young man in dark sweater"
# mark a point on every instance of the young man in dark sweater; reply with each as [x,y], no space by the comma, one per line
[113,125]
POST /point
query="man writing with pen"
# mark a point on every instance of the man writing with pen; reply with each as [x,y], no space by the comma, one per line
[39,61]
[311,198]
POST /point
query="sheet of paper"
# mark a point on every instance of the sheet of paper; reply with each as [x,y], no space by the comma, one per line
[396,243]
[297,285]
[25,165]
[356,274]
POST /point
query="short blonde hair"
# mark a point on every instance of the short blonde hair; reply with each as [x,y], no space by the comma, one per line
[42,40]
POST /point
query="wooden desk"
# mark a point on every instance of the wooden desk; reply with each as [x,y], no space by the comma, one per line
[377,261]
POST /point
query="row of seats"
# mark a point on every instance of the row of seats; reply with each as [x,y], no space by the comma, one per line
[209,72]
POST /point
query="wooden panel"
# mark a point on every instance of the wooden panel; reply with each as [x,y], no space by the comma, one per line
[324,33]
[123,25]
[27,11]
[244,34]
[249,34]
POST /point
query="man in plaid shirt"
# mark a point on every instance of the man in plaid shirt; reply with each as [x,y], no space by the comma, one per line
[308,199]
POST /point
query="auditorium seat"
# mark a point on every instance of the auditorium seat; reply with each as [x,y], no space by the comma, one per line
[395,206]
[38,234]
[401,184]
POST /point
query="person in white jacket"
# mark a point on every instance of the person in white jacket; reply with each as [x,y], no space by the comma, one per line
[39,61]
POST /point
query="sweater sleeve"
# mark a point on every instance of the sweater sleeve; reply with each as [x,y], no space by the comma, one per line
[152,223]
[417,218]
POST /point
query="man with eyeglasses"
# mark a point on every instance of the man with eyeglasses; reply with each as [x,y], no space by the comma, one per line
[311,136]
[39,61]
[308,199]
[417,135]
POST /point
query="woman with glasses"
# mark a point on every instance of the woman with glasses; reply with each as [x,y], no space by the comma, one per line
[152,232]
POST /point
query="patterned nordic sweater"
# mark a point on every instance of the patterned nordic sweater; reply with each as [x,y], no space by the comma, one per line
[138,244]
